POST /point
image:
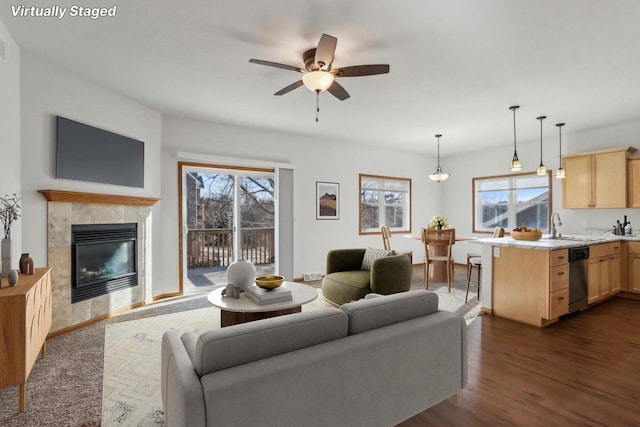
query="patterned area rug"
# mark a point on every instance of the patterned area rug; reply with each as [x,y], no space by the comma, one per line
[131,386]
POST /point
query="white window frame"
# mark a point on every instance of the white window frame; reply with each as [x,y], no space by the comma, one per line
[381,184]
[511,183]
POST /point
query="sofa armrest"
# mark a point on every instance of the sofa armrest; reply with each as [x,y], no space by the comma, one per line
[344,260]
[182,395]
[391,274]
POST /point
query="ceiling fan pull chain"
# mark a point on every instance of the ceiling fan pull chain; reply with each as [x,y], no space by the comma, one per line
[317,104]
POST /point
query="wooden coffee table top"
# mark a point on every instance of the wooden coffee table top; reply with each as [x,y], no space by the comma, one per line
[301,294]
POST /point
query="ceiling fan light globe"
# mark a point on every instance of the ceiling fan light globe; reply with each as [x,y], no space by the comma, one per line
[317,81]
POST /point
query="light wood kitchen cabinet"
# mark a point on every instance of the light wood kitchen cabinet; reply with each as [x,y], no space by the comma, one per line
[633,267]
[596,179]
[25,321]
[530,285]
[633,182]
[604,271]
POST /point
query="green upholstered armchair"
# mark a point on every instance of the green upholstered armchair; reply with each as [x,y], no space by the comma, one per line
[345,281]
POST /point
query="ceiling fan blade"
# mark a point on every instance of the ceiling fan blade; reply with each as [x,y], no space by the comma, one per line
[338,91]
[275,64]
[289,88]
[325,50]
[361,70]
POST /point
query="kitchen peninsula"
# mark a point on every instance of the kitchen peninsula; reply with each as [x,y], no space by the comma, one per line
[528,281]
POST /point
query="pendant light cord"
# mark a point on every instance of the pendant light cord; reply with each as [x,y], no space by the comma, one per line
[559,125]
[515,148]
[541,118]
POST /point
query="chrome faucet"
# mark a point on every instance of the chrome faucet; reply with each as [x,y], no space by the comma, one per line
[553,224]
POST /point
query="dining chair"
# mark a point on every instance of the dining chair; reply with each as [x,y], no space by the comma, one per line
[386,236]
[475,260]
[439,243]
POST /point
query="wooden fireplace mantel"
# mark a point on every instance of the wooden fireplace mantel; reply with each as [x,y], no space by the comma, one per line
[111,199]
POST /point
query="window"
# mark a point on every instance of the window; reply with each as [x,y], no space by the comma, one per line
[384,201]
[510,201]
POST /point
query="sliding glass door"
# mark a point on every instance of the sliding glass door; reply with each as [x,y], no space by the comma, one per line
[227,214]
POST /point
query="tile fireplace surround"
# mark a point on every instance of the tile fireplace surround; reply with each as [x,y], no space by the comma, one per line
[65,208]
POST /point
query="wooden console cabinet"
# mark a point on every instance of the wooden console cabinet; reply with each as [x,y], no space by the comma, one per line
[25,321]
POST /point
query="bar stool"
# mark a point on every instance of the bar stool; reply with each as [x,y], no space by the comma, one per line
[473,261]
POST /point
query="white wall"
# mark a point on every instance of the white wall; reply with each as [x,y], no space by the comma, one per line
[314,160]
[458,205]
[49,90]
[10,166]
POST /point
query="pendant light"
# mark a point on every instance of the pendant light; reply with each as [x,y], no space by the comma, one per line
[560,172]
[541,171]
[438,175]
[516,166]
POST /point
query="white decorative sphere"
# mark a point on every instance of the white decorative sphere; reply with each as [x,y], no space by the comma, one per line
[241,273]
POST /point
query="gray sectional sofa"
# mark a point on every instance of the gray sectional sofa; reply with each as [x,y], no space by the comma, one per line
[374,362]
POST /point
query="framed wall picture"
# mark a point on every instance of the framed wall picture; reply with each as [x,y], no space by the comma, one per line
[327,200]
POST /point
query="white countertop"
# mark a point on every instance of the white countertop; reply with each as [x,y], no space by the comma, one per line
[548,244]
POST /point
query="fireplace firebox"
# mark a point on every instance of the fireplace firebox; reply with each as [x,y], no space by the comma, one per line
[104,259]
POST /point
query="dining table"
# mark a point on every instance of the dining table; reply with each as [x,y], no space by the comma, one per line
[438,272]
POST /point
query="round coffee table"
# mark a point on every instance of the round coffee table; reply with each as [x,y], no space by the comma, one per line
[241,310]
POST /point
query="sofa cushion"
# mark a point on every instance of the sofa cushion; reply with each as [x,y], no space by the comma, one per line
[373,313]
[247,342]
[358,279]
[345,286]
[372,254]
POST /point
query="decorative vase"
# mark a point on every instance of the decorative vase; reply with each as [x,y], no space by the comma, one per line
[23,257]
[29,266]
[5,254]
[241,273]
[13,277]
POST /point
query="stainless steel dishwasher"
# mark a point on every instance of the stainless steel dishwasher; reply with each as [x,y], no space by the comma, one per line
[578,267]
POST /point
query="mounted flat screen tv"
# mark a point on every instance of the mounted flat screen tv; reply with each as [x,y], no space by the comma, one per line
[86,153]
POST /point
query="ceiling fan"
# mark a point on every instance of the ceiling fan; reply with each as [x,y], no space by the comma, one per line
[317,74]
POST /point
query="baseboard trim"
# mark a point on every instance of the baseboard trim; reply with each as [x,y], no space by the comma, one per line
[486,311]
[92,321]
[629,295]
[164,296]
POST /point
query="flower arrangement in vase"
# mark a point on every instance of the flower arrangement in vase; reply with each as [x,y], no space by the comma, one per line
[438,222]
[9,212]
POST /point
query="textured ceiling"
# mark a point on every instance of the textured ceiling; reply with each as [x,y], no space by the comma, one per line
[456,65]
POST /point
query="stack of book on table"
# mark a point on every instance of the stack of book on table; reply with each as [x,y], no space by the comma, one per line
[268,296]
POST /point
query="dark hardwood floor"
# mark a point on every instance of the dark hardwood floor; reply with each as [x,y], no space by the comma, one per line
[583,370]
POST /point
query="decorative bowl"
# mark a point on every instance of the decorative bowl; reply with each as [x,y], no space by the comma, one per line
[527,235]
[270,281]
